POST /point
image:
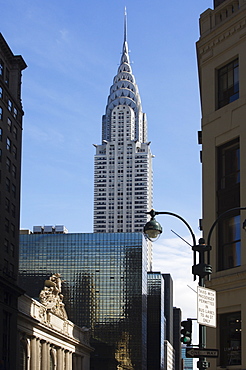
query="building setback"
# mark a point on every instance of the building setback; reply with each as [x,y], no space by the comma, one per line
[11,114]
[123,161]
[105,289]
[221,52]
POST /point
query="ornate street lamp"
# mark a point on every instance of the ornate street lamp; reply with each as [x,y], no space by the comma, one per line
[153,230]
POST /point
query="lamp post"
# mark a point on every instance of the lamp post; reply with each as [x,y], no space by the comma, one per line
[203,269]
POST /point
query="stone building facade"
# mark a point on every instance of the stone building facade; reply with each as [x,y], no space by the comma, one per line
[221,52]
[47,339]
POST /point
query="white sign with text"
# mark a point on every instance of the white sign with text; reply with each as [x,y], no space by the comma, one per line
[206,306]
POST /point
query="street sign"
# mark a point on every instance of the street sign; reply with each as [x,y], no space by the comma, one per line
[201,352]
[206,306]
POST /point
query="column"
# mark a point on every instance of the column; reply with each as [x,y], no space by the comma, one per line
[70,361]
[28,353]
[67,361]
[33,358]
[60,359]
[38,354]
[44,355]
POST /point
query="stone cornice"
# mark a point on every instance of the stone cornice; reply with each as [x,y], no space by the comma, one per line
[223,36]
[221,282]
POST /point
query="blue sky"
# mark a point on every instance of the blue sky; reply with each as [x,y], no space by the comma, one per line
[72,49]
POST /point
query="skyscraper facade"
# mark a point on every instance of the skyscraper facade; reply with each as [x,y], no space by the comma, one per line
[123,161]
[11,114]
[222,76]
[168,306]
[156,321]
[176,336]
[105,289]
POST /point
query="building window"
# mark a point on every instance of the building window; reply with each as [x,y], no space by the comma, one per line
[7,204]
[13,210]
[14,190]
[9,123]
[6,245]
[7,225]
[230,339]
[230,239]
[228,83]
[1,67]
[229,165]
[14,171]
[15,151]
[5,266]
[1,92]
[15,112]
[1,113]
[9,105]
[7,77]
[8,144]
[15,132]
[52,359]
[8,164]
[13,230]
[12,250]
[7,184]
[228,196]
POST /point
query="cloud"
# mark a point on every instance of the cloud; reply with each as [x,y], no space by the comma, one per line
[64,33]
[174,256]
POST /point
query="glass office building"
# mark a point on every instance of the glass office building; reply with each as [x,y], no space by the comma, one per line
[156,321]
[105,288]
[187,362]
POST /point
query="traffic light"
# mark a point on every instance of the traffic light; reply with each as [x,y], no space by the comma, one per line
[186,331]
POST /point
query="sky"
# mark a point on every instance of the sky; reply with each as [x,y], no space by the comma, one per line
[73,49]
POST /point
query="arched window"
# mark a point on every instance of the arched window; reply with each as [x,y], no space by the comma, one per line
[52,365]
[52,359]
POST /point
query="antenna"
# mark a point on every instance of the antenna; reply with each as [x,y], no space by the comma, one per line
[125,26]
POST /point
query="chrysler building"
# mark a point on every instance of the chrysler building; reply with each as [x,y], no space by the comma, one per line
[123,161]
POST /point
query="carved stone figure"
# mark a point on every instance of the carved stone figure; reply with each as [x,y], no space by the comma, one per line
[51,296]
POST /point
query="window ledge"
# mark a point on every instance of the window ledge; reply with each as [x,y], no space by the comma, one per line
[228,279]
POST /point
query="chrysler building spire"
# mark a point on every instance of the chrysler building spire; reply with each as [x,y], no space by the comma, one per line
[124,91]
[123,161]
[125,26]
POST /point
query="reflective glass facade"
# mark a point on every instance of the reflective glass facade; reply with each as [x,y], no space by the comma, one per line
[105,288]
[156,321]
[187,362]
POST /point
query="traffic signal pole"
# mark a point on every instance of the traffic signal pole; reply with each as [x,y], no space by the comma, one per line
[202,269]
